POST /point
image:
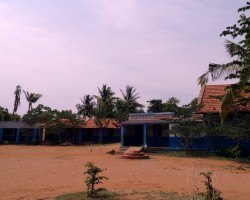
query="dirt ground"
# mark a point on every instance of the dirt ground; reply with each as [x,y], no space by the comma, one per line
[43,172]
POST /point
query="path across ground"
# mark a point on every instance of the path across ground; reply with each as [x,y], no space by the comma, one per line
[43,172]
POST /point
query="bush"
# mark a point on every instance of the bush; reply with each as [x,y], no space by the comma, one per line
[5,142]
[229,152]
[211,192]
[34,142]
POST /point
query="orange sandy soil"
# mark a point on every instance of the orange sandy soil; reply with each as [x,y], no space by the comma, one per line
[43,172]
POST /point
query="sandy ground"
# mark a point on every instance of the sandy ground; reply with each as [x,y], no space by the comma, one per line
[43,172]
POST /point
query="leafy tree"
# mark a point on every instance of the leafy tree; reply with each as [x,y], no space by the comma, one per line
[122,110]
[41,114]
[53,120]
[237,128]
[171,105]
[17,98]
[65,119]
[6,116]
[93,179]
[187,128]
[238,69]
[155,105]
[32,98]
[86,108]
[211,123]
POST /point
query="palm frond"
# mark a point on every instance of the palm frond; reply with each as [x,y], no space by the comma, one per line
[234,49]
[203,79]
[233,92]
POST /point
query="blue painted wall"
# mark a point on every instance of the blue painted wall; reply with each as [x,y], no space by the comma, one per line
[158,141]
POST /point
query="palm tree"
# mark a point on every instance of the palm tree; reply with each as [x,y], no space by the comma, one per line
[87,107]
[130,98]
[17,98]
[238,69]
[105,101]
[32,98]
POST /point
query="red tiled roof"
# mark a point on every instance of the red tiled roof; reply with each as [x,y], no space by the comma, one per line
[88,123]
[209,104]
[106,123]
[65,122]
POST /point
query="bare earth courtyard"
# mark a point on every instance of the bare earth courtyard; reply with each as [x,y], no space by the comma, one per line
[43,172]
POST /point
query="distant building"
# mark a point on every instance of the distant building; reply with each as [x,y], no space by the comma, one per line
[19,132]
[83,132]
[151,129]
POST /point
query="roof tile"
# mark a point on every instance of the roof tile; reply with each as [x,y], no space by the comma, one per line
[209,103]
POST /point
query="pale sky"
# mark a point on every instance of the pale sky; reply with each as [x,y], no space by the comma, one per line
[64,49]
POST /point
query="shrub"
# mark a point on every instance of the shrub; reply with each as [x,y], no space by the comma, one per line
[211,192]
[5,142]
[93,179]
[34,142]
[229,152]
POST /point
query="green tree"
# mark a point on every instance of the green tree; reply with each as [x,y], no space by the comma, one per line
[6,116]
[155,105]
[93,179]
[171,105]
[17,98]
[105,102]
[128,104]
[41,114]
[238,69]
[130,98]
[68,119]
[237,128]
[122,110]
[32,98]
[86,108]
[187,128]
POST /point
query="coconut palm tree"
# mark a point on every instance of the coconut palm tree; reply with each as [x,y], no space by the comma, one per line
[87,107]
[105,101]
[130,98]
[17,98]
[238,69]
[32,98]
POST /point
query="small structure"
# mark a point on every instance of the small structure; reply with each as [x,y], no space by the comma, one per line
[19,132]
[134,153]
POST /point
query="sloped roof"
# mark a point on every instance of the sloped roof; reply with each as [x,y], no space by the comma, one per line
[88,123]
[106,123]
[210,104]
[151,116]
[65,122]
[14,124]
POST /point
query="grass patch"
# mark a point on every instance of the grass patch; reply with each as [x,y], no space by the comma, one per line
[199,154]
[83,196]
[106,195]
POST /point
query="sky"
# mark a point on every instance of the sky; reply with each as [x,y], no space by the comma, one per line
[64,49]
